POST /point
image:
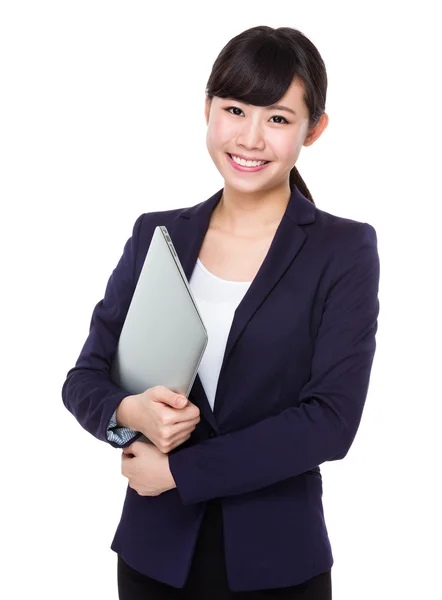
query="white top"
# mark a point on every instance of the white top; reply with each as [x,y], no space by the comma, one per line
[217,300]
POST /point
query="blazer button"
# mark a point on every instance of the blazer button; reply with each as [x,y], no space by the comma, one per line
[212,434]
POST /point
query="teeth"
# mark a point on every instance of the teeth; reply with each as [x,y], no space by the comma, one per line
[248,163]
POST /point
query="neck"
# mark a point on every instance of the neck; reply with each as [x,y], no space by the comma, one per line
[242,212]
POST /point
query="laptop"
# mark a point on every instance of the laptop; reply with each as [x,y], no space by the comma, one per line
[163,338]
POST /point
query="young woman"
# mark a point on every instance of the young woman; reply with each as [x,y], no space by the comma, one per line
[227,500]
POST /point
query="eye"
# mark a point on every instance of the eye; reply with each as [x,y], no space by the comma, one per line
[274,117]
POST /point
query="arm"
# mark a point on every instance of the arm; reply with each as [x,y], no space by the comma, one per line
[322,425]
[88,391]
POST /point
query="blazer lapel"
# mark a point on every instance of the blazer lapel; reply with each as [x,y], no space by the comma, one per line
[188,232]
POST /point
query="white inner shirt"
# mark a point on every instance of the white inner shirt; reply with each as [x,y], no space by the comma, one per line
[217,300]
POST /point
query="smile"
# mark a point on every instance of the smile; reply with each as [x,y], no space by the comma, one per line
[243,168]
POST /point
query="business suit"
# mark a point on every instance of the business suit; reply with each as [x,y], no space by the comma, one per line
[290,396]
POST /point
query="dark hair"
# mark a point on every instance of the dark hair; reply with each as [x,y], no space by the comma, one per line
[258,66]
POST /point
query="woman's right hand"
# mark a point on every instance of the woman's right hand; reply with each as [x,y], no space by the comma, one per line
[160,417]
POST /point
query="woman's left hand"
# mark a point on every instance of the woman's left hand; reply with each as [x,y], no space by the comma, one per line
[148,470]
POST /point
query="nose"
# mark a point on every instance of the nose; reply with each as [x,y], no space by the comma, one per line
[251,137]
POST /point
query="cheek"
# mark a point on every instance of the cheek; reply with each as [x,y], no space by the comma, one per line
[289,151]
[220,133]
[212,148]
[217,141]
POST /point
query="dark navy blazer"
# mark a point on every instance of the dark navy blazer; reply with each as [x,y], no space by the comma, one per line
[290,396]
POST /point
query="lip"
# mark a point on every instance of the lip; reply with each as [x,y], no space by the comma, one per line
[245,169]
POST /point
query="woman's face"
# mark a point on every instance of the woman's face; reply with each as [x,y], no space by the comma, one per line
[261,133]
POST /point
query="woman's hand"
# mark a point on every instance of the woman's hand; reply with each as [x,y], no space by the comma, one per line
[159,416]
[148,470]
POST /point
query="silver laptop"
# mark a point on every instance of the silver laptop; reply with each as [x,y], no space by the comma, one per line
[163,338]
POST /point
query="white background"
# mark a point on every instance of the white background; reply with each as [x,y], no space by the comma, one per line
[102,119]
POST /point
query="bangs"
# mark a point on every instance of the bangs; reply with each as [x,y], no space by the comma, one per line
[260,72]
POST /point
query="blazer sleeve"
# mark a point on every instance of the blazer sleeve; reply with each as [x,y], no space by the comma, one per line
[88,391]
[323,424]
[117,433]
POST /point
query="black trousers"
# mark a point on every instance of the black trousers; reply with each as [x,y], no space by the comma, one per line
[207,577]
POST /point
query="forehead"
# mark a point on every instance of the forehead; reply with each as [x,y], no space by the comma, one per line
[294,95]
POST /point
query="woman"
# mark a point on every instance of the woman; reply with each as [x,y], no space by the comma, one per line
[227,500]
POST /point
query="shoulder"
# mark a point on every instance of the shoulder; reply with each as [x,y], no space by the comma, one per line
[149,220]
[145,224]
[341,234]
[342,245]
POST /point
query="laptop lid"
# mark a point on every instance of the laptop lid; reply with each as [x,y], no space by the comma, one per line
[163,338]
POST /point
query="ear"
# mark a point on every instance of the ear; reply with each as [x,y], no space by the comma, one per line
[317,130]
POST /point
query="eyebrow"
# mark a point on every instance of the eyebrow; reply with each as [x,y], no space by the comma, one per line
[272,107]
[280,107]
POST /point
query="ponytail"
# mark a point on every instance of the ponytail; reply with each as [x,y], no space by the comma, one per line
[296,179]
